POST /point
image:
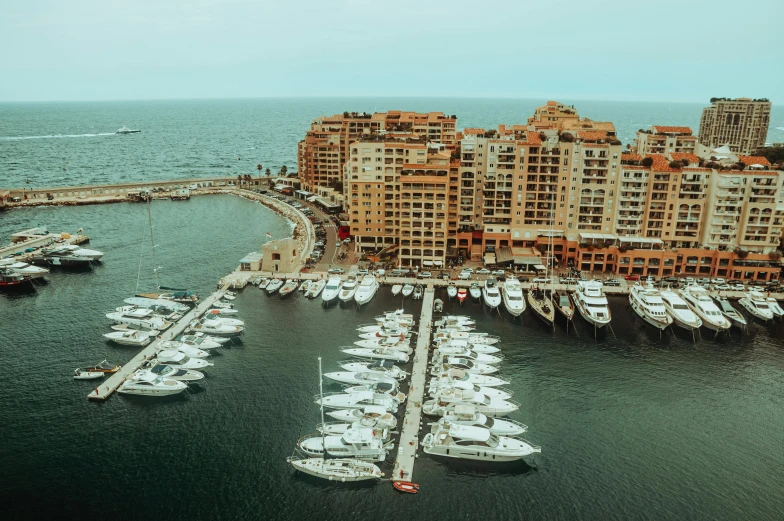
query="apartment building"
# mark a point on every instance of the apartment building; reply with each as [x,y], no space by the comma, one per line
[740,123]
[661,139]
[552,115]
[322,155]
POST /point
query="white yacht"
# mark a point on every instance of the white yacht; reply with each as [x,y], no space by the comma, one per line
[385,368]
[377,414]
[475,443]
[222,312]
[467,344]
[458,375]
[390,388]
[288,288]
[358,378]
[490,293]
[382,332]
[447,399]
[361,443]
[377,354]
[451,290]
[468,416]
[180,360]
[386,342]
[590,301]
[647,303]
[475,291]
[147,383]
[396,289]
[183,375]
[193,352]
[451,334]
[222,319]
[756,303]
[213,327]
[331,290]
[465,352]
[700,302]
[396,317]
[159,303]
[202,341]
[680,312]
[407,290]
[366,290]
[732,314]
[380,327]
[774,307]
[454,320]
[273,286]
[139,317]
[28,271]
[466,365]
[348,289]
[93,255]
[131,338]
[358,400]
[513,297]
[436,385]
[337,469]
[305,286]
[316,288]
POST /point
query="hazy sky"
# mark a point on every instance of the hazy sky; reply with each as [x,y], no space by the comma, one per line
[670,50]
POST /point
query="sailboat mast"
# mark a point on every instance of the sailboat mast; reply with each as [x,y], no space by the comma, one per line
[321,395]
[152,241]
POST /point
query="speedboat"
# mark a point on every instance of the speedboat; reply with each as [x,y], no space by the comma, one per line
[680,312]
[396,317]
[446,399]
[360,443]
[180,360]
[358,378]
[475,443]
[756,303]
[471,336]
[305,286]
[372,415]
[139,317]
[732,314]
[436,385]
[202,341]
[103,367]
[183,375]
[222,304]
[467,344]
[316,288]
[57,257]
[646,301]
[466,365]
[213,327]
[11,280]
[221,319]
[513,297]
[147,383]
[332,289]
[164,313]
[390,388]
[396,289]
[563,304]
[462,295]
[475,291]
[162,304]
[542,305]
[288,288]
[337,469]
[358,400]
[126,130]
[407,290]
[80,374]
[377,354]
[700,302]
[392,332]
[366,290]
[774,307]
[273,286]
[591,302]
[419,291]
[131,338]
[193,352]
[222,312]
[397,343]
[182,296]
[348,289]
[468,416]
[28,271]
[465,352]
[458,375]
[263,283]
[383,367]
[451,290]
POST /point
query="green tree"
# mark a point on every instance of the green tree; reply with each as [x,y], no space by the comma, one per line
[283,171]
[647,162]
[239,179]
[259,168]
[268,172]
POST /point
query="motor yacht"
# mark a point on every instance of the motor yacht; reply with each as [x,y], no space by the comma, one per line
[131,338]
[419,292]
[756,303]
[475,291]
[396,317]
[289,287]
[358,378]
[390,388]
[222,319]
[458,375]
[222,312]
[162,304]
[126,130]
[366,290]
[316,288]
[774,307]
[396,343]
[183,375]
[466,344]
[193,352]
[467,415]
[213,327]
[541,303]
[513,297]
[490,293]
[361,443]
[140,317]
[396,289]
[407,290]
[454,320]
[681,313]
[337,469]
[27,270]
[448,335]
[647,303]
[11,280]
[450,397]
[451,290]
[464,352]
[202,341]
[93,255]
[380,327]
[181,296]
[462,295]
[61,258]
[732,314]
[700,302]
[164,313]
[371,416]
[222,304]
[348,289]
[180,360]
[273,286]
[436,385]
[591,302]
[382,367]
[377,354]
[475,443]
[358,400]
[147,383]
[332,289]
[466,365]
[392,332]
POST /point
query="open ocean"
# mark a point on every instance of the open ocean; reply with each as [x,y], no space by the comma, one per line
[638,427]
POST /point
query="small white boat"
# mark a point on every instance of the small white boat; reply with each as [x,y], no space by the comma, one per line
[390,388]
[221,319]
[193,352]
[396,343]
[348,289]
[774,307]
[183,375]
[444,335]
[475,291]
[398,317]
[220,304]
[346,470]
[407,290]
[263,283]
[465,352]
[28,270]
[756,303]
[87,375]
[228,297]
[131,338]
[305,286]
[157,311]
[289,287]
[680,312]
[273,286]
[358,400]
[377,354]
[467,344]
[147,383]
[316,288]
[475,443]
[222,312]
[73,249]
[202,341]
[366,290]
[383,326]
[396,289]
[180,360]
[466,365]
[490,293]
[332,290]
[370,416]
[468,416]
[387,333]
[358,378]
[451,290]
[213,327]
[447,399]
[419,292]
[458,375]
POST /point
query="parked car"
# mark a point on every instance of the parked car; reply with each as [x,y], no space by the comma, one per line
[688,280]
[722,287]
[469,270]
[670,280]
[336,271]
[738,287]
[483,271]
[568,280]
[319,244]
[362,272]
[703,280]
[542,280]
[380,272]
[522,278]
[632,277]
[347,241]
[612,282]
[464,275]
[425,275]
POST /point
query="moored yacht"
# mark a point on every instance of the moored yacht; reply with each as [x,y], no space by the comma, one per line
[147,383]
[214,327]
[755,303]
[382,367]
[162,304]
[183,375]
[337,469]
[366,290]
[447,399]
[273,286]
[316,288]
[774,306]
[377,354]
[513,297]
[180,360]
[372,415]
[681,313]
[361,443]
[139,317]
[490,293]
[458,375]
[289,287]
[348,289]
[590,301]
[358,400]
[475,443]
[463,351]
[647,303]
[396,289]
[451,290]
[698,300]
[407,290]
[193,352]
[131,338]
[331,290]
[468,416]
[732,314]
[437,385]
[475,291]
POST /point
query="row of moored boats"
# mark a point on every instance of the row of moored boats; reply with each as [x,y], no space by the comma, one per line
[353,289]
[19,274]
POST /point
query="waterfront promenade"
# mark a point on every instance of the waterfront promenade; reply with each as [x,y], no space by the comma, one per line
[409,436]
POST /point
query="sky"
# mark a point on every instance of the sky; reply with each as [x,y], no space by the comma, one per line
[662,50]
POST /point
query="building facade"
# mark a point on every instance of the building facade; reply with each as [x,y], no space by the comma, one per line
[740,123]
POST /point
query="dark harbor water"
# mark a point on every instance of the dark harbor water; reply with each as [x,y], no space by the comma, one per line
[633,428]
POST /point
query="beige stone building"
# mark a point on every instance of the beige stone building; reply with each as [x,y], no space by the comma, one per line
[661,139]
[740,123]
[280,256]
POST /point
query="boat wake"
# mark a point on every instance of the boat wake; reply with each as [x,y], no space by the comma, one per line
[55,136]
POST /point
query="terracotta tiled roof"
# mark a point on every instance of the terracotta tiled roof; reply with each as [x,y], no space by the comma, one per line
[697,169]
[552,103]
[533,138]
[470,131]
[754,160]
[660,164]
[693,160]
[671,130]
[631,157]
[592,135]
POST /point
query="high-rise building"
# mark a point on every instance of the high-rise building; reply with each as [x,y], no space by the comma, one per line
[664,140]
[740,123]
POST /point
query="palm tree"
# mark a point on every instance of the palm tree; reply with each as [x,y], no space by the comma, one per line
[239,179]
[259,168]
[268,172]
[283,171]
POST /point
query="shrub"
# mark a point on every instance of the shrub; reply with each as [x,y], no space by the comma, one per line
[647,162]
[740,252]
[566,137]
[775,255]
[685,162]
[676,164]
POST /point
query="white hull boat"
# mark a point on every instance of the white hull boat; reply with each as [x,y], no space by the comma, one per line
[466,365]
[386,333]
[407,290]
[147,383]
[475,443]
[273,286]
[156,303]
[450,397]
[140,317]
[496,393]
[316,288]
[385,343]
[193,352]
[396,289]
[331,290]
[648,304]
[348,290]
[756,303]
[366,290]
[475,291]
[458,375]
[362,377]
[288,288]
[473,346]
[591,303]
[179,360]
[182,375]
[681,313]
[345,470]
[305,286]
[514,301]
[382,367]
[28,270]
[451,290]
[466,415]
[377,354]
[212,327]
[464,352]
[202,341]
[361,443]
[87,375]
[703,306]
[131,338]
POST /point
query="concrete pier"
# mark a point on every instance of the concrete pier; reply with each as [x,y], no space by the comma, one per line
[38,242]
[108,386]
[409,436]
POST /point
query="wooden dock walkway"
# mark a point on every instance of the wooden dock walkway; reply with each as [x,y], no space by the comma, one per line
[108,386]
[409,437]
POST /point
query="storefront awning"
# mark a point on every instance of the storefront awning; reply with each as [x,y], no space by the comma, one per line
[539,267]
[527,260]
[489,258]
[438,263]
[427,263]
[311,199]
